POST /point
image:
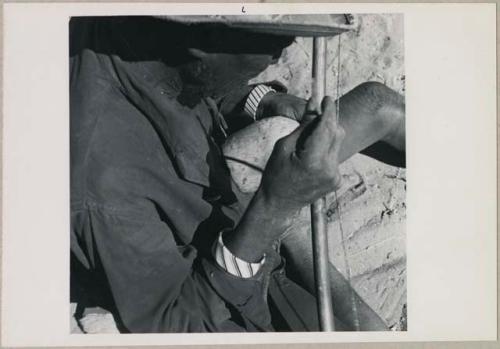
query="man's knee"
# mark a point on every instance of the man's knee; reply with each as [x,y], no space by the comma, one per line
[388,107]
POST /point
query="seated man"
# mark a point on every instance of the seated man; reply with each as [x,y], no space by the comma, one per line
[159,233]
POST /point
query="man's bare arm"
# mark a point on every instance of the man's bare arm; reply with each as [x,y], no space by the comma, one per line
[372,115]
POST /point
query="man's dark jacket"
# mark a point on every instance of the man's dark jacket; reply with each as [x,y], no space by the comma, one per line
[150,191]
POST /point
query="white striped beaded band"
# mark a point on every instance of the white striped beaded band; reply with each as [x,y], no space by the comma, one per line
[232,264]
[254,98]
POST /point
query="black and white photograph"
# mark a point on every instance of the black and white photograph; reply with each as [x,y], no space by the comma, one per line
[237,173]
[232,174]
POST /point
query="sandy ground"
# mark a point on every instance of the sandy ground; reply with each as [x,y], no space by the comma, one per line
[372,217]
[372,199]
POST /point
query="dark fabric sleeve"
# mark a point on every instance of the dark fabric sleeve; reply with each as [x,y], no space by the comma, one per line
[158,286]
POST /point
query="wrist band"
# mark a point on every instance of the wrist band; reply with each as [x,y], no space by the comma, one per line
[232,264]
[254,98]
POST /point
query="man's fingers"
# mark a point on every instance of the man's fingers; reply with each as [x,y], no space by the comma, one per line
[302,136]
[303,142]
[289,143]
[317,138]
[331,126]
[313,109]
[329,114]
[336,144]
[313,106]
[323,133]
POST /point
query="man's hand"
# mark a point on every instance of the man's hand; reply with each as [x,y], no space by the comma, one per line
[281,104]
[304,165]
[302,168]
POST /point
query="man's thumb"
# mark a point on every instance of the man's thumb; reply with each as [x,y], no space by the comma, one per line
[300,136]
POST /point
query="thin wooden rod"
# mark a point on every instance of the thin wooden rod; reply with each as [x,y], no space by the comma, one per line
[318,218]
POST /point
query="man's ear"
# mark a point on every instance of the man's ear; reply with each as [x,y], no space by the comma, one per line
[197,53]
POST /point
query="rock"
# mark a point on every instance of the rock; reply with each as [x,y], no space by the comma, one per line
[98,323]
[92,320]
[74,328]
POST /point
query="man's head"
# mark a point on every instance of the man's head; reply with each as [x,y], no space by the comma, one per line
[214,55]
[224,59]
[226,51]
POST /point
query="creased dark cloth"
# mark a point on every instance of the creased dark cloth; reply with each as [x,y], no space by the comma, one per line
[150,192]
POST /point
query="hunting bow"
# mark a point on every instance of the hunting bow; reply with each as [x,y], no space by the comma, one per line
[318,208]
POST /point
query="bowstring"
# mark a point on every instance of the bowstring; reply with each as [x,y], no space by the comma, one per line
[354,306]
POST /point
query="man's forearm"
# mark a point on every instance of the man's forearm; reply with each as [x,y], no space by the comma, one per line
[262,224]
